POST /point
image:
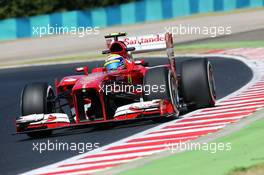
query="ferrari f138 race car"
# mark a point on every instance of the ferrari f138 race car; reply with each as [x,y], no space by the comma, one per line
[131,93]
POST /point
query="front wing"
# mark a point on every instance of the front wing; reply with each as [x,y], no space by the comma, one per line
[132,112]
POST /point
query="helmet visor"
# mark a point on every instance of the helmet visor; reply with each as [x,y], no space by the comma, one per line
[113,66]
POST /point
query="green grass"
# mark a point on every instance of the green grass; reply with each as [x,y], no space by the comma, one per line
[247,150]
[257,169]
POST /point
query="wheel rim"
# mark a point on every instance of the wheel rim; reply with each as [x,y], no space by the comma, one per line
[211,82]
[50,97]
[173,92]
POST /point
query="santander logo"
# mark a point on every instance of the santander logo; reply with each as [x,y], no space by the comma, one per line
[144,40]
[143,43]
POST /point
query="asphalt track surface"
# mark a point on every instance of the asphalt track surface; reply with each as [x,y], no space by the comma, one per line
[16,151]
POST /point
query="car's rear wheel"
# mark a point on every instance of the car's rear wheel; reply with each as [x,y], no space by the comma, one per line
[37,99]
[197,82]
[162,78]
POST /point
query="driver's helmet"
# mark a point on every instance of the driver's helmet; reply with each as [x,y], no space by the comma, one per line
[113,62]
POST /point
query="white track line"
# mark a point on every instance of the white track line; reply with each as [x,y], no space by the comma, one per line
[159,140]
[208,120]
[227,102]
[89,165]
[220,114]
[191,127]
[85,160]
[231,109]
[260,103]
[182,132]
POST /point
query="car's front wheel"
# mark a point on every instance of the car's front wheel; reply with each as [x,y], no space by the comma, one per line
[161,78]
[37,98]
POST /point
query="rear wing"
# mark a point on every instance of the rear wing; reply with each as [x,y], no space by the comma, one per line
[145,43]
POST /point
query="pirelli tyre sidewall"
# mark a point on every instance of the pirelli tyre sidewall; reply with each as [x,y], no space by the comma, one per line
[197,82]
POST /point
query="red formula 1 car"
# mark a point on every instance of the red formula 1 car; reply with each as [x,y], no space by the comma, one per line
[136,92]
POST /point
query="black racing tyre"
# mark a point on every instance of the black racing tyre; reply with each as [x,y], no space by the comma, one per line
[197,82]
[162,78]
[37,99]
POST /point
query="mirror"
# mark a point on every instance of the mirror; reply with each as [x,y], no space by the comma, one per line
[139,62]
[130,49]
[106,52]
[82,69]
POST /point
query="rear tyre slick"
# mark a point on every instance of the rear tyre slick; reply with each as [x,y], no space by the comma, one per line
[37,98]
[198,86]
